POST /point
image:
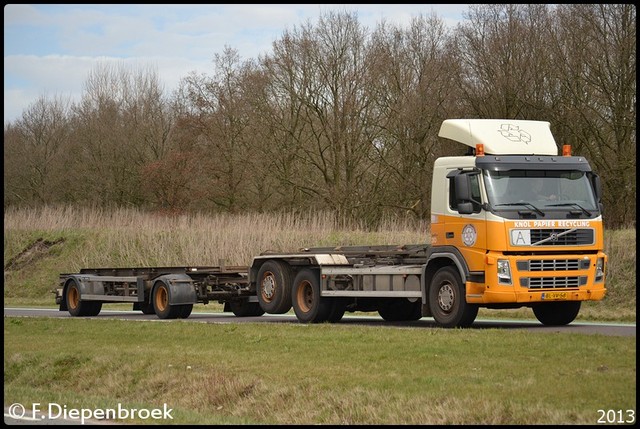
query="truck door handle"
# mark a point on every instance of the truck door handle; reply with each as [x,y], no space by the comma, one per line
[449,235]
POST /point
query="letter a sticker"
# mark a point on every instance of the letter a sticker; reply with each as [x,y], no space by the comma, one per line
[521,237]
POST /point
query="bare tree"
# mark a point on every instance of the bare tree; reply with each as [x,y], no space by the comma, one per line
[36,169]
[121,124]
[320,70]
[594,56]
[501,50]
[221,122]
[280,124]
[412,82]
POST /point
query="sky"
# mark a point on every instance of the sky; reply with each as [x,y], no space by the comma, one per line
[50,50]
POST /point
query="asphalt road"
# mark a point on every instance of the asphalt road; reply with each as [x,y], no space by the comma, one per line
[613,329]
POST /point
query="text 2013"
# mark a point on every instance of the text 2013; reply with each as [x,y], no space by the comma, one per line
[616,416]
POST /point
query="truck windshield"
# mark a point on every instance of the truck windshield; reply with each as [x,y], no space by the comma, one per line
[540,188]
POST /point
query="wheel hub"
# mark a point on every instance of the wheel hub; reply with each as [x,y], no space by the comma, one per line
[305,297]
[446,297]
[268,287]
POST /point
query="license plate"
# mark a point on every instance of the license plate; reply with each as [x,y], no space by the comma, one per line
[554,295]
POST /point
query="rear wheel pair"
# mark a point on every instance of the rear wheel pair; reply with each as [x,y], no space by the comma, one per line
[279,291]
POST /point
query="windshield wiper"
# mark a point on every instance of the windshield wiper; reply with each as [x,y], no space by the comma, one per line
[536,209]
[585,211]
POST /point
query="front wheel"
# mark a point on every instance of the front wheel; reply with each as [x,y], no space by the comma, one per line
[447,300]
[308,305]
[556,313]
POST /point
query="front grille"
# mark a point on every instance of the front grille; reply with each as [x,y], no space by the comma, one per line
[553,265]
[561,237]
[538,283]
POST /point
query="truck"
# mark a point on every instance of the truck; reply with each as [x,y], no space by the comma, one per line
[513,223]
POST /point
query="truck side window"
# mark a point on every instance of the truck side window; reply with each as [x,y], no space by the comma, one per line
[475,193]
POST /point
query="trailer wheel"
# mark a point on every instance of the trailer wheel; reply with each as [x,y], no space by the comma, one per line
[556,313]
[245,308]
[161,303]
[401,310]
[308,305]
[447,300]
[274,287]
[185,311]
[77,307]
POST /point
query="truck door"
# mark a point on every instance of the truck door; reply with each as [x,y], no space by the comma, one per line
[465,225]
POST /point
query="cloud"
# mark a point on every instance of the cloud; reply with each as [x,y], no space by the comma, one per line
[50,49]
[65,75]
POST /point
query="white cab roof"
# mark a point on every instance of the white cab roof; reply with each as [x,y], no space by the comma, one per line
[502,136]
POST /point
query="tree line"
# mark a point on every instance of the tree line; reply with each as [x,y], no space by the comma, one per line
[338,116]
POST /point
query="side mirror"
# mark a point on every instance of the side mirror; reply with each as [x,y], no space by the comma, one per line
[465,208]
[464,200]
[463,188]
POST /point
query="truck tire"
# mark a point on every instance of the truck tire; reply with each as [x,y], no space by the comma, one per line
[556,313]
[185,311]
[245,308]
[308,305]
[447,300]
[274,287]
[161,305]
[338,308]
[77,307]
[401,310]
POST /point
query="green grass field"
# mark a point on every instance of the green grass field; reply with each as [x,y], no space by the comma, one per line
[318,374]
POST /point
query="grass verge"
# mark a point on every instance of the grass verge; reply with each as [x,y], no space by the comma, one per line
[318,374]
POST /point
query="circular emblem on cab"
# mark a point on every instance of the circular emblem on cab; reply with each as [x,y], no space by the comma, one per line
[469,235]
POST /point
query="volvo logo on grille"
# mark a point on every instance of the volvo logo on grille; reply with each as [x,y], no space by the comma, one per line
[553,236]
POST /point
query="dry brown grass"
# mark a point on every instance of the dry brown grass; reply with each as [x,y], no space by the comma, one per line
[129,237]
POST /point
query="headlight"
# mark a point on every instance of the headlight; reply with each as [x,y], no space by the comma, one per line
[600,270]
[504,272]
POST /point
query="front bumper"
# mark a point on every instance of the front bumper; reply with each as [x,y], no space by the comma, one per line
[540,278]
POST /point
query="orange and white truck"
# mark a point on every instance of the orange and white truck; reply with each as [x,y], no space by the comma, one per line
[514,223]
